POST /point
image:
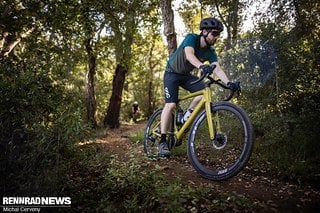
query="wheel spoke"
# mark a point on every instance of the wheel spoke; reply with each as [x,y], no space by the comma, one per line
[226,154]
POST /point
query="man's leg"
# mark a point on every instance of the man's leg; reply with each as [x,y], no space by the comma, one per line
[166,116]
[171,90]
[188,85]
[195,101]
[165,122]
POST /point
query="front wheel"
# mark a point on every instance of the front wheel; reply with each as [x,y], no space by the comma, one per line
[230,149]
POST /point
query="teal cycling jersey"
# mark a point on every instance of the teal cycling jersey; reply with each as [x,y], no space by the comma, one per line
[178,62]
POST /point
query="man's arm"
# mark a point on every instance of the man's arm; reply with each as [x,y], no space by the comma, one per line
[220,73]
[189,51]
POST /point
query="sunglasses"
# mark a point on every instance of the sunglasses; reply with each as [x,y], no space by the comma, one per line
[215,33]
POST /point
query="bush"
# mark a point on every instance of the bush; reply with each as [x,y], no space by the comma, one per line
[288,140]
[39,122]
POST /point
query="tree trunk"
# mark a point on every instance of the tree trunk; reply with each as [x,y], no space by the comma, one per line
[231,21]
[112,118]
[229,39]
[235,22]
[151,66]
[168,20]
[124,29]
[90,85]
[150,99]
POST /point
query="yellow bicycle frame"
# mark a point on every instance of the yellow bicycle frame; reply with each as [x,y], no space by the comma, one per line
[205,102]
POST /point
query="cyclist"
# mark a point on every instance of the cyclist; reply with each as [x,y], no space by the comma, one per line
[135,111]
[192,53]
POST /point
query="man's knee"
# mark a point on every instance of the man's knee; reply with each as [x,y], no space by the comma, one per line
[170,106]
[198,98]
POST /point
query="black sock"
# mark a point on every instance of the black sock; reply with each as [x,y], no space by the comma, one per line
[163,138]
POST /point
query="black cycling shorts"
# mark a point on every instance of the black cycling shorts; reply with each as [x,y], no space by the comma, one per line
[172,81]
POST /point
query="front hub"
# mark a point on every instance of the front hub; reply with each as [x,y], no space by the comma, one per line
[219,141]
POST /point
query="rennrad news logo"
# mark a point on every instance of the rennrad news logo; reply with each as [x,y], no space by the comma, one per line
[36,201]
[33,204]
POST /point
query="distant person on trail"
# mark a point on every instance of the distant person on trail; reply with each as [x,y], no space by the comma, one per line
[192,53]
[135,111]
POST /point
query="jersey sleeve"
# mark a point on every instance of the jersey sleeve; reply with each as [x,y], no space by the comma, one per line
[190,41]
[210,54]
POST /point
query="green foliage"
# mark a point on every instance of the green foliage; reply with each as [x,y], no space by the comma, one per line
[278,67]
[137,137]
[34,163]
[144,84]
[133,186]
[40,120]
[284,110]
[190,13]
[42,101]
[126,181]
[295,150]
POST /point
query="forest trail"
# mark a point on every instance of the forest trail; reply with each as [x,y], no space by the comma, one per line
[258,186]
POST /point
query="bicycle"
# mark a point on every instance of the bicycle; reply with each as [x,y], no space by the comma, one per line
[218,148]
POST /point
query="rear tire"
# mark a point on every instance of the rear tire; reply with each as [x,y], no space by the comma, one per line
[152,135]
[227,154]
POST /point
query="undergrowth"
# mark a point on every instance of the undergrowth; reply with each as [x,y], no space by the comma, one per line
[99,182]
[102,183]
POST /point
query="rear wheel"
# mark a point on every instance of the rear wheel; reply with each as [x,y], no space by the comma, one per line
[152,135]
[225,155]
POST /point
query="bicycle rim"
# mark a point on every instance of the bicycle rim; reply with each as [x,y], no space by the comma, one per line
[152,135]
[227,154]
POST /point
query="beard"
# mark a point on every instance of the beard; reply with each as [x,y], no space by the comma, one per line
[210,42]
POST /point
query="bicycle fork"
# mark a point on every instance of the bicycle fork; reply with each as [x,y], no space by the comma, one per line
[205,103]
[208,100]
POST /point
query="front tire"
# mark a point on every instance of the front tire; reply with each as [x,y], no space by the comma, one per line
[225,155]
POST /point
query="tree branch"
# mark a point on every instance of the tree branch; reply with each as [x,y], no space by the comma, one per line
[220,14]
[7,46]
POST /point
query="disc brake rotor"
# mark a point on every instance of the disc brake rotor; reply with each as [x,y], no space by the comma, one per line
[220,140]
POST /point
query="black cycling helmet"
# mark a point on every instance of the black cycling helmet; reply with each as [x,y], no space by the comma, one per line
[211,23]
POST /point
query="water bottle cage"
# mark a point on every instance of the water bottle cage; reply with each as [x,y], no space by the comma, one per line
[186,115]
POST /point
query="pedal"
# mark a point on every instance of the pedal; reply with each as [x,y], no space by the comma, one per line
[152,138]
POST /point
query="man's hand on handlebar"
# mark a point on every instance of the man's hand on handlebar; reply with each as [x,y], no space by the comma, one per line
[206,69]
[234,86]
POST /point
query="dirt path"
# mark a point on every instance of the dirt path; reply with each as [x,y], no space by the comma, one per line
[258,186]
